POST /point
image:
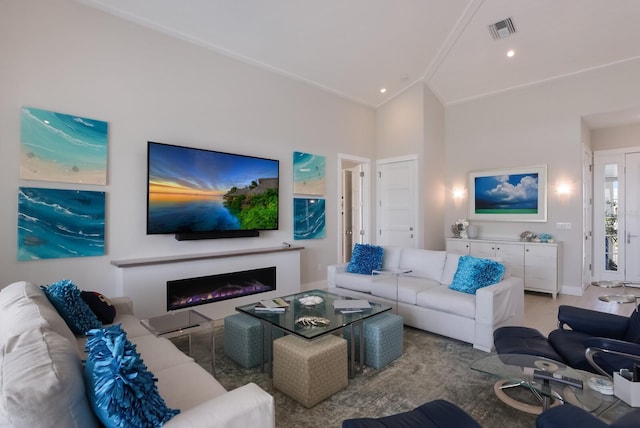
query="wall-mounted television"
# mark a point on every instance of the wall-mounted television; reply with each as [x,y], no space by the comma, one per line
[202,194]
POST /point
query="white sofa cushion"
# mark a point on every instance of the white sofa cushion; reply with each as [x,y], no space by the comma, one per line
[159,353]
[354,281]
[446,300]
[407,288]
[391,257]
[23,307]
[42,383]
[186,385]
[450,268]
[423,263]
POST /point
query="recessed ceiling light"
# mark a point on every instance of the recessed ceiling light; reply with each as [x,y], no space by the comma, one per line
[511,53]
[383,90]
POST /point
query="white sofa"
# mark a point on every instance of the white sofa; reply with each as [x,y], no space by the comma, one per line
[41,372]
[425,301]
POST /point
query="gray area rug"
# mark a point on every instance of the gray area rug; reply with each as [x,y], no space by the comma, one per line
[431,367]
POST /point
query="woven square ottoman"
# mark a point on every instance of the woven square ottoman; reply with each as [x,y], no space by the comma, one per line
[383,339]
[243,340]
[310,371]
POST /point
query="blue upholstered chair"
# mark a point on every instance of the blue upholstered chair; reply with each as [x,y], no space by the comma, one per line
[589,340]
[572,416]
[434,414]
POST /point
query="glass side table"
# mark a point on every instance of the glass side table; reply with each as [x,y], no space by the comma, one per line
[188,325]
[394,274]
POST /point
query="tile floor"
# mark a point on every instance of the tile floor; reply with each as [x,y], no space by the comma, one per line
[541,309]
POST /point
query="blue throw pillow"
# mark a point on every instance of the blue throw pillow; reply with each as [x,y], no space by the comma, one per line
[122,391]
[474,273]
[66,298]
[365,259]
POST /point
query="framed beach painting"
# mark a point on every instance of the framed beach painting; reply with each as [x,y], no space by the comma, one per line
[61,147]
[308,174]
[308,218]
[512,194]
[59,223]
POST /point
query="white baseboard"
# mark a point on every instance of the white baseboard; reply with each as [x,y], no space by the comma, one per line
[572,290]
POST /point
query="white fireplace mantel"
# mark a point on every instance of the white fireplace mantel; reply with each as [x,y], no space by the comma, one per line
[144,280]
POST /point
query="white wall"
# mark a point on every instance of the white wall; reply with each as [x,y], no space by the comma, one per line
[63,56]
[540,124]
[617,137]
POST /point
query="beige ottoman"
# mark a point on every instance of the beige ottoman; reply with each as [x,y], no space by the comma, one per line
[310,371]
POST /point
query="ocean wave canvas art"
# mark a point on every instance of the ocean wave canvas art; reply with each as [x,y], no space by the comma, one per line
[308,174]
[55,223]
[308,218]
[62,148]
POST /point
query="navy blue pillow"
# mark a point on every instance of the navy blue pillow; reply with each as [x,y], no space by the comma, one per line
[474,273]
[122,391]
[365,259]
[66,298]
[100,306]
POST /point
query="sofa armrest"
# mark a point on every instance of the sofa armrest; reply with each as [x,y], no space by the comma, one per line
[500,302]
[592,322]
[331,273]
[246,406]
[123,305]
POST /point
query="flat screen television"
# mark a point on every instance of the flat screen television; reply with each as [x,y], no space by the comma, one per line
[203,194]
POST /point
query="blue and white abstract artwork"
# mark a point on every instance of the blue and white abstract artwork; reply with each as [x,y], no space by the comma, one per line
[308,218]
[63,148]
[55,223]
[308,174]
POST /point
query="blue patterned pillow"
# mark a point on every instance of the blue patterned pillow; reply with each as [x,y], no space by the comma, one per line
[474,273]
[365,259]
[121,390]
[66,298]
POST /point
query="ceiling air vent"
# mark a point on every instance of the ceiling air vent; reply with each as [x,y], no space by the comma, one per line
[502,29]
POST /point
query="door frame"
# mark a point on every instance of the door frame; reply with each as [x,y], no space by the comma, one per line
[366,232]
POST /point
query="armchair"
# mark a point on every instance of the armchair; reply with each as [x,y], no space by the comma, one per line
[597,341]
[585,339]
[568,415]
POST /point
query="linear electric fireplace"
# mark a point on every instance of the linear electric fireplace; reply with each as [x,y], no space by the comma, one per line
[184,293]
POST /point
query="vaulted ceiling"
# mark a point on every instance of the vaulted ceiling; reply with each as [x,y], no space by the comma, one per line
[355,48]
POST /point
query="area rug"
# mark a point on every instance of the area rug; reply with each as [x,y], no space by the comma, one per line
[431,367]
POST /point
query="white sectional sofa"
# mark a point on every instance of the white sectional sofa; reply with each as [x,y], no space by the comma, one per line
[425,301]
[41,372]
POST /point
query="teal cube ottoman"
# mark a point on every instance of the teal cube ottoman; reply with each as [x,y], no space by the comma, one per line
[383,339]
[243,340]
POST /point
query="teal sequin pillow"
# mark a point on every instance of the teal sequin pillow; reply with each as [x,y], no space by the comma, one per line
[365,259]
[121,390]
[67,299]
[474,273]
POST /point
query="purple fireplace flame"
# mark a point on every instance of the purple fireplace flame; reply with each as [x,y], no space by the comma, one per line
[184,293]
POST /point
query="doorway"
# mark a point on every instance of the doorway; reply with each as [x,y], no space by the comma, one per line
[353,224]
[616,217]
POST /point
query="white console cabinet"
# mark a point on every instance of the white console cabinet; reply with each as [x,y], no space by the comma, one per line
[536,262]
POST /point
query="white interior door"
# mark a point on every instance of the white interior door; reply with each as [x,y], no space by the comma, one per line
[397,203]
[632,217]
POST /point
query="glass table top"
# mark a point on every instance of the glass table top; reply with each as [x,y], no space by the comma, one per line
[326,318]
[520,369]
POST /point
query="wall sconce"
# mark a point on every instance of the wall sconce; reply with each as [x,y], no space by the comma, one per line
[458,194]
[563,189]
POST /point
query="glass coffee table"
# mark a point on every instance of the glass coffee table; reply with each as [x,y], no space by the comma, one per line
[516,370]
[190,324]
[312,318]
